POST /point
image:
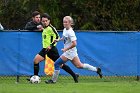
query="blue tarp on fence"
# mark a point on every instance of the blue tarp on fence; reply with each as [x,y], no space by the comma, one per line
[117,53]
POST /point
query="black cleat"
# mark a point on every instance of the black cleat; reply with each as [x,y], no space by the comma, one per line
[99,72]
[76,79]
[50,82]
[28,79]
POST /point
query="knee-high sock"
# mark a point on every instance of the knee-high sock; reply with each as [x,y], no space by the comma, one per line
[57,64]
[55,75]
[69,70]
[36,69]
[89,67]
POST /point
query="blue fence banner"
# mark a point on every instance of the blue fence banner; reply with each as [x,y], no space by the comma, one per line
[117,53]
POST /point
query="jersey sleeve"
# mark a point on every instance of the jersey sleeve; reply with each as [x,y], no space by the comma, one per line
[72,36]
[55,36]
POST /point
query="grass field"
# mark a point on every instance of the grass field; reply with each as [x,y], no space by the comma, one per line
[66,85]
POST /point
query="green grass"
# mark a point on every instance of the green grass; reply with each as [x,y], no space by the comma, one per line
[66,85]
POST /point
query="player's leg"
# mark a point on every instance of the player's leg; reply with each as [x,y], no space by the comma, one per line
[69,70]
[37,59]
[54,55]
[76,61]
[61,60]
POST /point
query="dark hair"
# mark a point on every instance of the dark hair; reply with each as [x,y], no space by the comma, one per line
[45,15]
[35,13]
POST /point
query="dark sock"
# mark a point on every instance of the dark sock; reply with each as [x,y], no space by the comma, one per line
[36,69]
[68,69]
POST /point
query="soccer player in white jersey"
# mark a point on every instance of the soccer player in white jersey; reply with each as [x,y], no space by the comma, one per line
[70,51]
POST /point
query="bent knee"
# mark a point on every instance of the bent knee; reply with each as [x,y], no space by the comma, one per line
[36,61]
[79,66]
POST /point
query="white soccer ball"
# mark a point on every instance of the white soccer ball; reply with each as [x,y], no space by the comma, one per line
[35,79]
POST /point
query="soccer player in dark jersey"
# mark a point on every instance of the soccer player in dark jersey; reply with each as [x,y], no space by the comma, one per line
[49,34]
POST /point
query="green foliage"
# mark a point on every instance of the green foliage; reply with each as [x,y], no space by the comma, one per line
[88,14]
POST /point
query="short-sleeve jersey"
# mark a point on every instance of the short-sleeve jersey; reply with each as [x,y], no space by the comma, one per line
[49,34]
[69,36]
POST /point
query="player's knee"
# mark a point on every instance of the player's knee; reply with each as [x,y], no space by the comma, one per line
[79,66]
[36,61]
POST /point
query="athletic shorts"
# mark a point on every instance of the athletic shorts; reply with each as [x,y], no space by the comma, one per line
[52,53]
[70,54]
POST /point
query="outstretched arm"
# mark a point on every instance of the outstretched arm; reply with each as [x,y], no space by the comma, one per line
[57,40]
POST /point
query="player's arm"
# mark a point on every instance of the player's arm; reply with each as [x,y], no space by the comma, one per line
[55,36]
[30,26]
[74,43]
[60,39]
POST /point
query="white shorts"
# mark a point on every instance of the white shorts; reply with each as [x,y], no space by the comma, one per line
[70,54]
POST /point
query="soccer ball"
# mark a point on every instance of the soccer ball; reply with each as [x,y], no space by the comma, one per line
[35,79]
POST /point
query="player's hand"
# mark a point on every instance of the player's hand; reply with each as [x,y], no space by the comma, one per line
[40,27]
[64,49]
[48,48]
[56,40]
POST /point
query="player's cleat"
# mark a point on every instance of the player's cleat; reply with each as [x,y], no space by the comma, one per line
[76,79]
[28,79]
[50,82]
[99,72]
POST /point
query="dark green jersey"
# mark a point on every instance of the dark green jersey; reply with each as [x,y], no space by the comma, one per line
[49,34]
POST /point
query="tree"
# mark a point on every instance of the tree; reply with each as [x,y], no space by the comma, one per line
[88,14]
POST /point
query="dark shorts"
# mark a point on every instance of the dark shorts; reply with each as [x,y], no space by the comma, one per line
[52,53]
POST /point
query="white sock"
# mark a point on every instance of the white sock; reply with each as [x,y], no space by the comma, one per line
[89,67]
[55,75]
